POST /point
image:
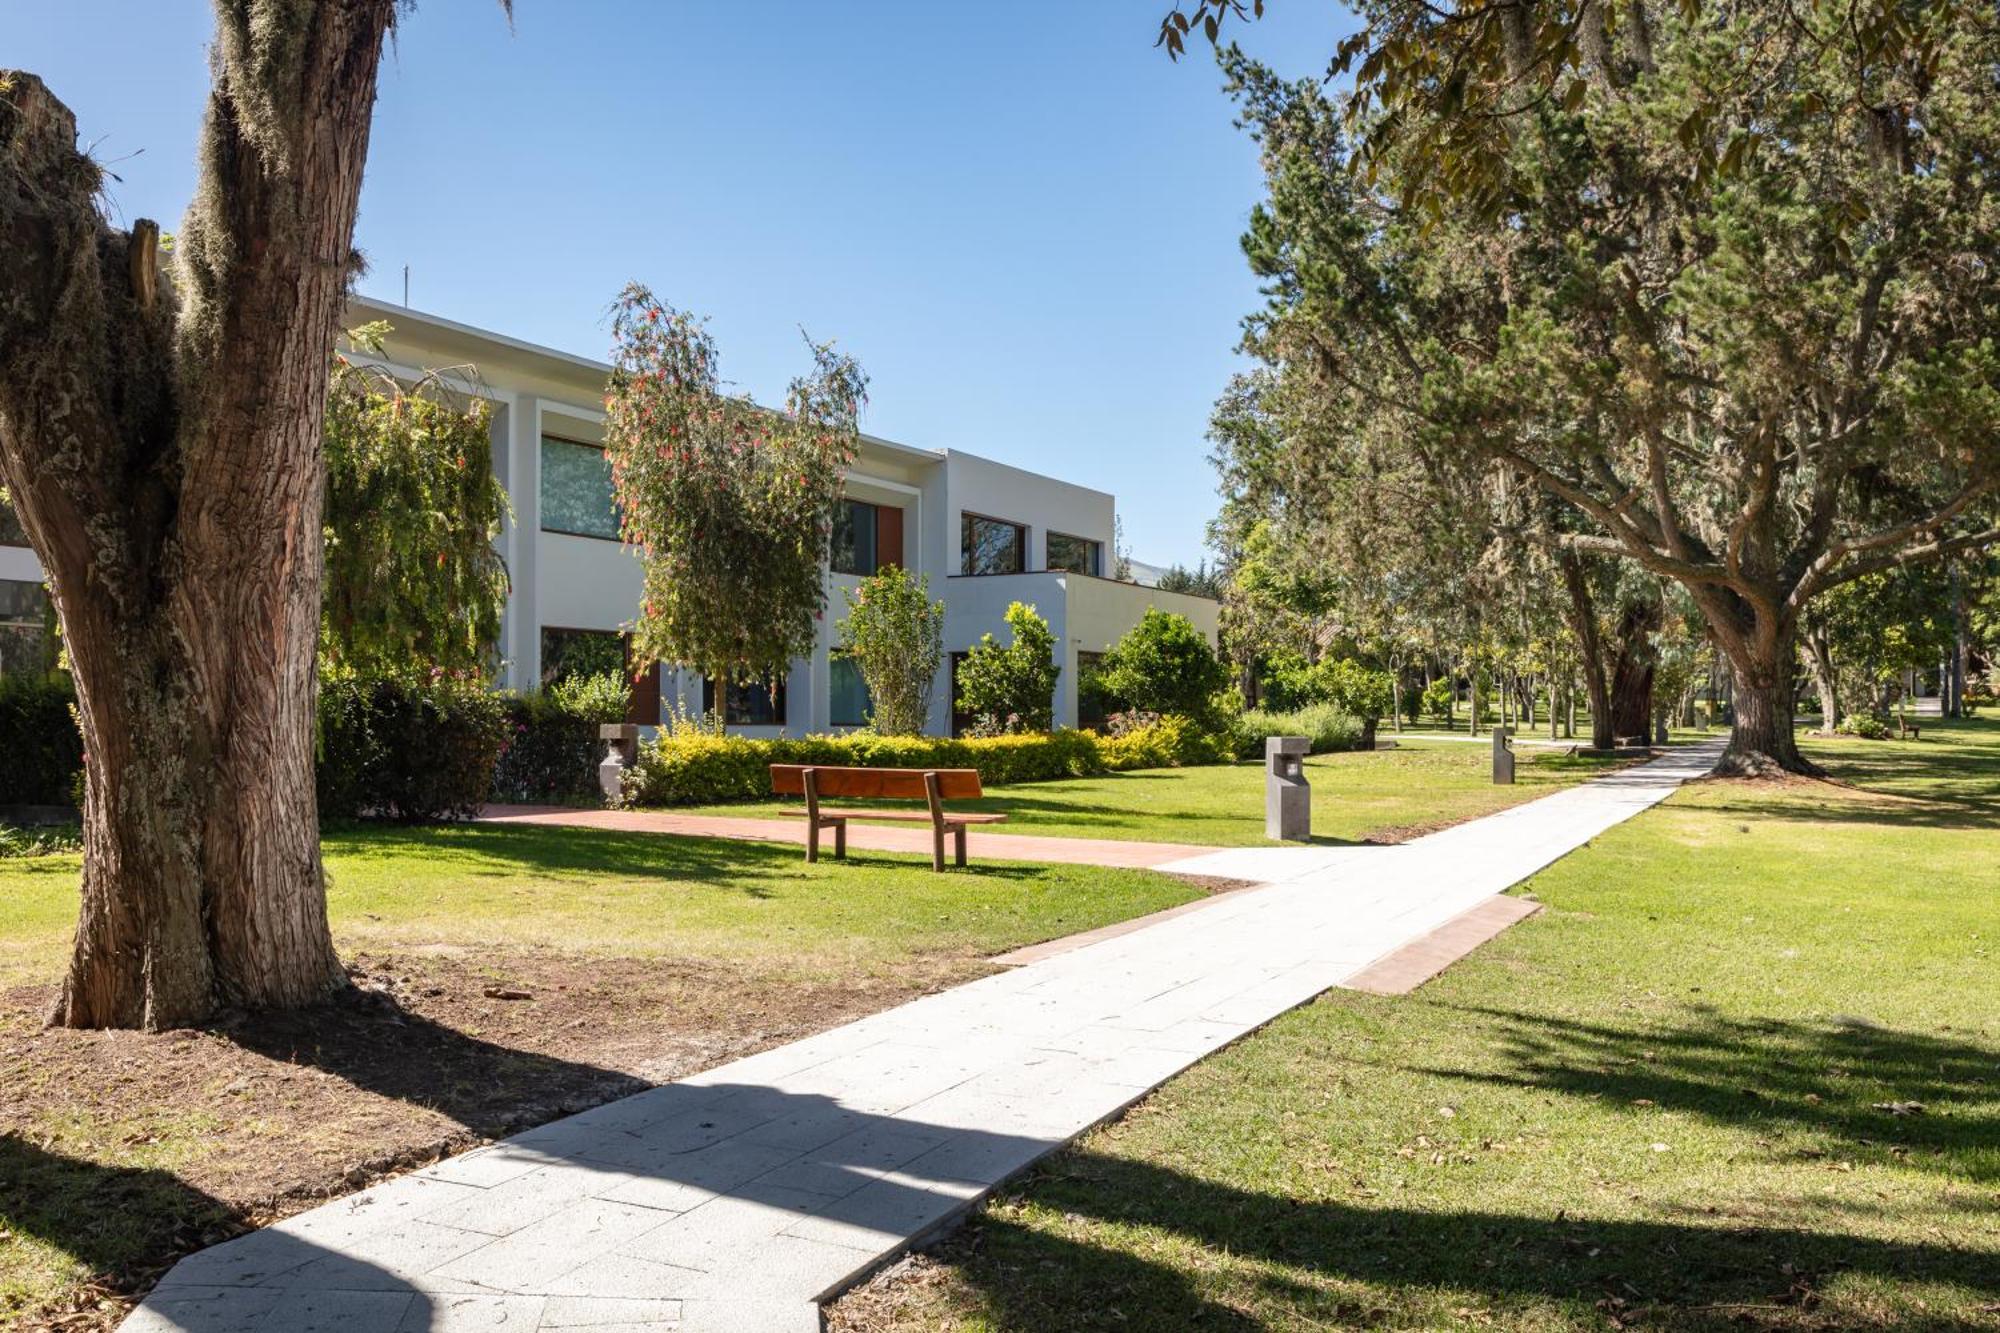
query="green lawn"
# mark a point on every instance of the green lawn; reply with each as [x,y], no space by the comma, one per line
[1744,1072]
[637,895]
[1356,797]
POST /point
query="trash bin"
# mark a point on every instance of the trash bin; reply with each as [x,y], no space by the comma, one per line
[1287,794]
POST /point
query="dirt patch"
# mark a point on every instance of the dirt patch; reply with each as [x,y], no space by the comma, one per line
[129,1150]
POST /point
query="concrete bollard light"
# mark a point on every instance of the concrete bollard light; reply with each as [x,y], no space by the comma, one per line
[1287,794]
[1503,758]
[621,751]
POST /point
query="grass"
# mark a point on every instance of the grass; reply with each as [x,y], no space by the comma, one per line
[1744,1072]
[1358,797]
[637,895]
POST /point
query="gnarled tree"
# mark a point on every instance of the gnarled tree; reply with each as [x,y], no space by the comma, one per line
[160,434]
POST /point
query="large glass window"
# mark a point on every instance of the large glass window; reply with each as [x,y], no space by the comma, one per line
[26,647]
[850,704]
[992,545]
[576,490]
[855,527]
[1078,555]
[753,703]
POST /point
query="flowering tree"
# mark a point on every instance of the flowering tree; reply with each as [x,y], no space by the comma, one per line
[895,634]
[730,504]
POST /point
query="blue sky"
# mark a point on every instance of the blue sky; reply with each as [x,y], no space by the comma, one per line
[1023,219]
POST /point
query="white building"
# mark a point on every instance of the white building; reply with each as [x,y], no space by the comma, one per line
[985,534]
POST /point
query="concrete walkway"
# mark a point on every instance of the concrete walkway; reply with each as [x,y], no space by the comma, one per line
[915,839]
[739,1198]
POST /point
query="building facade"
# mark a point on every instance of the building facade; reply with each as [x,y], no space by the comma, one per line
[985,534]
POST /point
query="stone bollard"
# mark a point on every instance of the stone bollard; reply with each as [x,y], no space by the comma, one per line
[620,753]
[1287,794]
[1503,758]
[1660,734]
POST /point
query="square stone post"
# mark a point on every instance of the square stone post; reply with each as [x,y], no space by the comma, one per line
[1503,757]
[1287,794]
[621,751]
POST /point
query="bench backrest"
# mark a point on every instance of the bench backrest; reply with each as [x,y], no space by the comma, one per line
[890,784]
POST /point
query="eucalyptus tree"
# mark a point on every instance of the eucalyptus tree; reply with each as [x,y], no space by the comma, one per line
[1717,277]
[160,436]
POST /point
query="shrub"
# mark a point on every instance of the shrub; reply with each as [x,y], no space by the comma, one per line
[407,749]
[895,634]
[43,841]
[1867,726]
[1014,685]
[38,736]
[1439,697]
[1163,665]
[1292,683]
[1324,726]
[1165,741]
[552,747]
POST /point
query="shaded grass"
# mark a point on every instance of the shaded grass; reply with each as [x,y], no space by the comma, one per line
[1684,1097]
[639,895]
[1357,797]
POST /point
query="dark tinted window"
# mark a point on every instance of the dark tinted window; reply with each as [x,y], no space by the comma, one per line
[992,546]
[1078,555]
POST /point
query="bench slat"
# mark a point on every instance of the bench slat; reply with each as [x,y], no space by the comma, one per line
[913,816]
[888,784]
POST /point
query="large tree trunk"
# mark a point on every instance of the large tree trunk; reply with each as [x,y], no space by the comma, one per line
[1633,670]
[163,444]
[1583,624]
[1819,656]
[1763,743]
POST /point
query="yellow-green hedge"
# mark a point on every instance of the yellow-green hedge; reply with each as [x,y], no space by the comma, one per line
[697,768]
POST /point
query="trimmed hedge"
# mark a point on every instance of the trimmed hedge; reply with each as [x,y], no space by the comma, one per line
[410,750]
[695,768]
[553,749]
[38,736]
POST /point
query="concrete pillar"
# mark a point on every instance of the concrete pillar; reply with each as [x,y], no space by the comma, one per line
[1503,758]
[523,630]
[1287,794]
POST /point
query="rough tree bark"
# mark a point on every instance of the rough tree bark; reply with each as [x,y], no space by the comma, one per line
[1590,643]
[1819,659]
[162,442]
[1632,672]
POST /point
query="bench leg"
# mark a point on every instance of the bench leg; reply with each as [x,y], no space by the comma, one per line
[959,835]
[812,841]
[937,847]
[840,839]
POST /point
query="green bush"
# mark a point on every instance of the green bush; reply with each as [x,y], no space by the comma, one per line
[38,736]
[1012,688]
[1324,726]
[552,748]
[1163,665]
[1439,697]
[407,749]
[1291,683]
[1864,725]
[692,766]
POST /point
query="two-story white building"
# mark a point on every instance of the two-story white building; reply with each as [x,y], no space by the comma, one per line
[984,533]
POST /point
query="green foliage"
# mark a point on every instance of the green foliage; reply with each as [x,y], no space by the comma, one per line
[1163,665]
[731,505]
[552,748]
[1204,580]
[1439,697]
[412,508]
[1326,727]
[1012,688]
[410,749]
[1867,726]
[1292,682]
[895,634]
[39,739]
[45,840]
[1167,741]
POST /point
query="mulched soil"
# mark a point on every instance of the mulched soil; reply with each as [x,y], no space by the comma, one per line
[430,1054]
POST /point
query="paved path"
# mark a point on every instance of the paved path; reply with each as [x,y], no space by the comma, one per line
[868,837]
[739,1198]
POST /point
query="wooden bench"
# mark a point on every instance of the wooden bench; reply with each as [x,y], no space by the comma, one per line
[931,786]
[1906,729]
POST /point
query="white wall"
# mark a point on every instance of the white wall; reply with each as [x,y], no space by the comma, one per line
[1042,504]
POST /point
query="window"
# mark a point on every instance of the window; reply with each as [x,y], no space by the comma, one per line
[26,646]
[993,546]
[1078,555]
[855,525]
[753,703]
[569,653]
[849,700]
[1090,702]
[576,490]
[11,533]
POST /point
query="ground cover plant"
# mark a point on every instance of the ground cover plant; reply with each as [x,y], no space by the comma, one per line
[1370,796]
[503,976]
[1743,1072]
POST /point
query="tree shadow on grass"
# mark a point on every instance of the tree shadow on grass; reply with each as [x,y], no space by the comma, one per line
[1511,1269]
[1924,1101]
